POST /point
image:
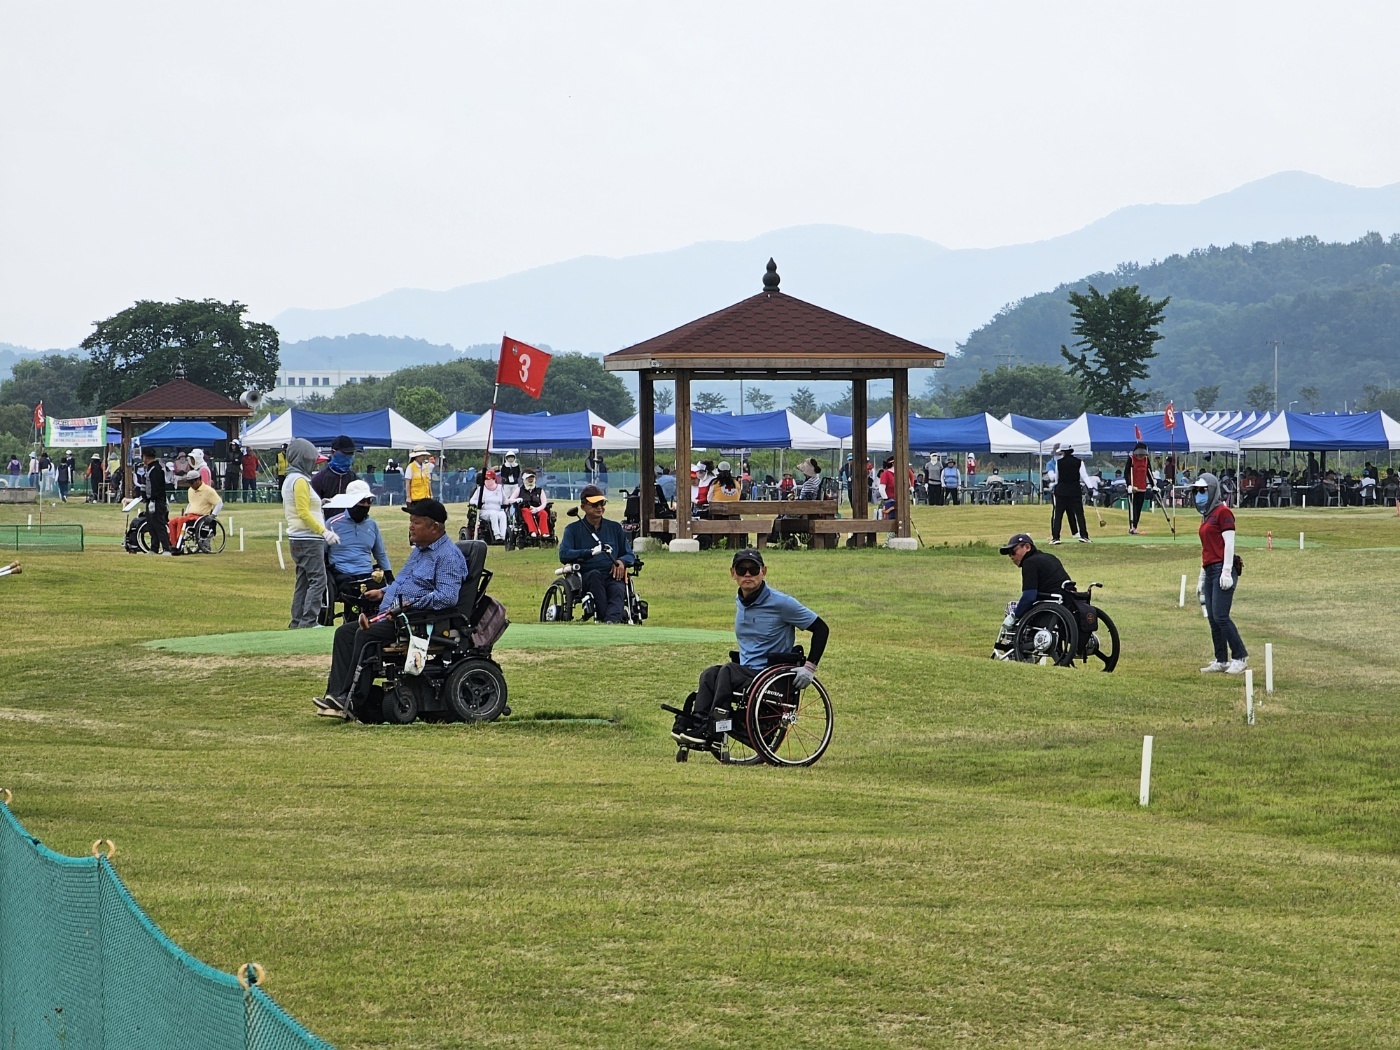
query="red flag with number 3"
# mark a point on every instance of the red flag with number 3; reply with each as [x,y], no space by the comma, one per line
[1169,417]
[522,365]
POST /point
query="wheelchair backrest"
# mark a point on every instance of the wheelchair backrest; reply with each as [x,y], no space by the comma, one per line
[475,553]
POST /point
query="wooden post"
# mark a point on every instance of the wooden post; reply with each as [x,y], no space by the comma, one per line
[682,454]
[647,429]
[860,481]
[900,428]
[125,464]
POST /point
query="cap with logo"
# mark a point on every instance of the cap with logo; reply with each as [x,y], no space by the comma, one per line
[1015,541]
[748,554]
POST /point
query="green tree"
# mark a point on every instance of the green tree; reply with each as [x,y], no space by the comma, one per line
[53,379]
[1378,400]
[575,382]
[1260,397]
[17,421]
[1116,332]
[708,402]
[1040,391]
[1204,397]
[1311,395]
[662,398]
[148,344]
[423,406]
[803,404]
[759,400]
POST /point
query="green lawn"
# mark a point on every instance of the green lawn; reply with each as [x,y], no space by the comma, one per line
[966,866]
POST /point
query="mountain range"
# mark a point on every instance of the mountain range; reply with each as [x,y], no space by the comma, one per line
[904,284]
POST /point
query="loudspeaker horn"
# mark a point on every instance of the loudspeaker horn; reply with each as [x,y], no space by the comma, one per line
[252,397]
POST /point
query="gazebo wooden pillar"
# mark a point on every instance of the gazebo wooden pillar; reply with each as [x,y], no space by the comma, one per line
[774,336]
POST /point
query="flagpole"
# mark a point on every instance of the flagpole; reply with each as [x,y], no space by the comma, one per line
[491,423]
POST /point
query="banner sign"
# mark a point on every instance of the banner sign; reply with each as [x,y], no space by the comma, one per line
[83,432]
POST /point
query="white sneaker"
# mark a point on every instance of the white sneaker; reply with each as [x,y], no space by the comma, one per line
[1054,543]
[1236,666]
[1214,667]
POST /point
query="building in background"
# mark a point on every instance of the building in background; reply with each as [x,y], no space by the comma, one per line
[297,384]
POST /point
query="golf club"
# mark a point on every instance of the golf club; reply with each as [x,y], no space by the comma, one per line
[13,569]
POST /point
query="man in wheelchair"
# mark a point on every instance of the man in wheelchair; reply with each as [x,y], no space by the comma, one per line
[201,500]
[602,553]
[765,622]
[358,563]
[431,580]
[1052,619]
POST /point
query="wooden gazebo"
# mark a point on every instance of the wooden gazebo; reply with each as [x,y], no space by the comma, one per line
[177,399]
[774,336]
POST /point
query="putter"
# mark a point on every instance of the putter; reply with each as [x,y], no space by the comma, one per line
[1160,506]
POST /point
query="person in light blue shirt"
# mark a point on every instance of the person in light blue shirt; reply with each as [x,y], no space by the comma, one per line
[951,481]
[766,622]
[361,547]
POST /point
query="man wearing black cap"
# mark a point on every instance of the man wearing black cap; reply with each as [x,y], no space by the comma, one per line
[765,624]
[335,477]
[431,579]
[1041,573]
[1070,481]
[602,552]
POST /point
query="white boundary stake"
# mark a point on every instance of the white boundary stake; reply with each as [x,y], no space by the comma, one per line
[240,540]
[229,524]
[1181,601]
[1145,785]
[281,560]
[1269,668]
[31,522]
[279,532]
[1248,696]
[1300,541]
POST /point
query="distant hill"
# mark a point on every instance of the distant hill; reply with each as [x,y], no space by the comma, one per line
[1335,308]
[380,352]
[903,284]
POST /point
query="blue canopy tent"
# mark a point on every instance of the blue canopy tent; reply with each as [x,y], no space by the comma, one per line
[1360,432]
[178,433]
[780,429]
[979,433]
[454,422]
[1092,432]
[382,429]
[836,426]
[1040,429]
[541,433]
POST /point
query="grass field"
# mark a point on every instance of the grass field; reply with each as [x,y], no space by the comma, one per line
[968,865]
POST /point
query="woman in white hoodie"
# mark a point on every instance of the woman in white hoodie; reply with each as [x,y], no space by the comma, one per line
[489,499]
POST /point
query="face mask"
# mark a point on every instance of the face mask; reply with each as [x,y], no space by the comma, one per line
[359,513]
[1201,500]
[340,462]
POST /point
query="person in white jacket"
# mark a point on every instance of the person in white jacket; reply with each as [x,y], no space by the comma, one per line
[489,499]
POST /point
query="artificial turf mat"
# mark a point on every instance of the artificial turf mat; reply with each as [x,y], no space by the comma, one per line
[547,636]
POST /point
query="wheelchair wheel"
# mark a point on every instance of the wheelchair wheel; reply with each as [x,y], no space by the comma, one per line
[209,535]
[145,538]
[476,689]
[400,705]
[788,727]
[1048,630]
[556,606]
[1103,644]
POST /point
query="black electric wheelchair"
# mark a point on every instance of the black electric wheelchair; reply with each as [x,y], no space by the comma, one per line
[769,722]
[1061,629]
[567,598]
[459,681]
[345,599]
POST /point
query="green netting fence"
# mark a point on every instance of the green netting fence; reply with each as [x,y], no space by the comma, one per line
[83,968]
[50,537]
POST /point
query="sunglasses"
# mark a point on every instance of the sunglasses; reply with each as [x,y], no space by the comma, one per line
[748,568]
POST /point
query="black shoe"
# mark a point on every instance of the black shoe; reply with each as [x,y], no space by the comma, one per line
[695,735]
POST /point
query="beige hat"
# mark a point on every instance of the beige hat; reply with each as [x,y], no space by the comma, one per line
[418,450]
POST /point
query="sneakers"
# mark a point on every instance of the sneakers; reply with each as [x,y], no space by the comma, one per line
[1054,543]
[1214,667]
[332,707]
[326,702]
[1236,666]
[1085,539]
[692,734]
[1132,532]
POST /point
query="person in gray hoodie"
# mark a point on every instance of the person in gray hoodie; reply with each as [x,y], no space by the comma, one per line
[307,534]
[1216,586]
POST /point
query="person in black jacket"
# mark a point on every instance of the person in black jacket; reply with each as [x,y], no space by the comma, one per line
[1070,477]
[157,509]
[335,477]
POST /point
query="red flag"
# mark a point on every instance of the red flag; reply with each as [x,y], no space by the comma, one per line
[522,365]
[597,429]
[39,416]
[1137,431]
[1169,417]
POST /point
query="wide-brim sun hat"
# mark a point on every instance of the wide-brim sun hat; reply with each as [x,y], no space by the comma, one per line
[356,492]
[418,450]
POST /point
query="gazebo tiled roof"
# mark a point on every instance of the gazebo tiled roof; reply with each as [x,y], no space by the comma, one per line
[774,330]
[178,398]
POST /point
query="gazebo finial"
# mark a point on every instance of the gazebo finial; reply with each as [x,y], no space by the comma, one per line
[771,278]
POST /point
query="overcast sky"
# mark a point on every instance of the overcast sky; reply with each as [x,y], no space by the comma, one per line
[316,154]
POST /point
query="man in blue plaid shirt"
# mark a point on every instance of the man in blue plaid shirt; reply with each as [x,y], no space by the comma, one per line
[431,579]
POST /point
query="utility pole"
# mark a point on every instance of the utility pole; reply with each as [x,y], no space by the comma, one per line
[1276,346]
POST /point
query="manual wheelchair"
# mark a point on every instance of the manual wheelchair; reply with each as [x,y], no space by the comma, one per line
[1061,629]
[768,722]
[205,535]
[460,680]
[567,596]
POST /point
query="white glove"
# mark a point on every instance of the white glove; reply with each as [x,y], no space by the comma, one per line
[330,537]
[1010,620]
[1227,580]
[804,675]
[596,550]
[1201,587]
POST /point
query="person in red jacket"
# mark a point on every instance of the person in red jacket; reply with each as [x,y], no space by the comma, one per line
[1139,485]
